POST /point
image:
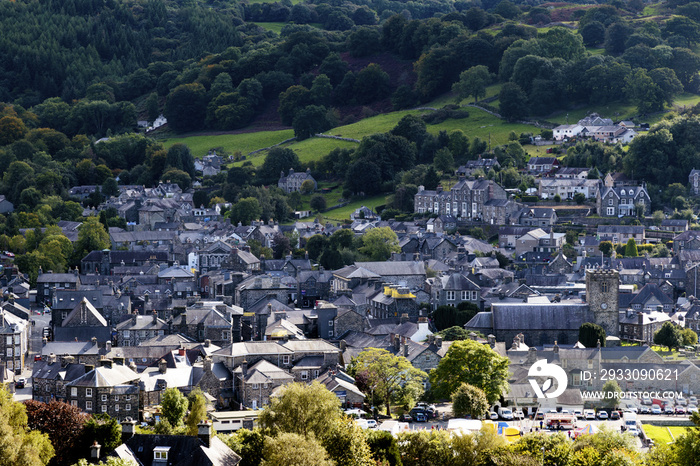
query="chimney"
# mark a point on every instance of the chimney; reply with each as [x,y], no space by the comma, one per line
[155,317]
[431,339]
[89,368]
[204,433]
[397,342]
[94,341]
[128,429]
[438,341]
[207,364]
[491,340]
[108,346]
[207,343]
[162,366]
[244,368]
[342,345]
[95,452]
[181,351]
[555,348]
[134,318]
[404,318]
[52,358]
[640,318]
[65,360]
[532,355]
[119,360]
[405,349]
[132,366]
[104,362]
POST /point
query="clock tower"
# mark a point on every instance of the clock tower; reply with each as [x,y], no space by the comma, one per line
[602,290]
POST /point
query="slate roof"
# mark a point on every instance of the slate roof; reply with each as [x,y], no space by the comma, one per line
[74,317]
[104,376]
[184,451]
[646,293]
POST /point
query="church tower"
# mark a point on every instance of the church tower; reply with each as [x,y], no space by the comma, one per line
[602,290]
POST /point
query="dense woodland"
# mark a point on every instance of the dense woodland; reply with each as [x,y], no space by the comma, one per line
[75,71]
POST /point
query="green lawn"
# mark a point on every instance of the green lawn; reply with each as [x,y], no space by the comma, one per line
[687,100]
[661,435]
[315,148]
[338,215]
[615,111]
[274,27]
[243,142]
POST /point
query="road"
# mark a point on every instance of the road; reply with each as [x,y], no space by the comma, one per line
[35,344]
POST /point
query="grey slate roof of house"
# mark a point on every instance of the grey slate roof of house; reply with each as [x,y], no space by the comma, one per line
[184,451]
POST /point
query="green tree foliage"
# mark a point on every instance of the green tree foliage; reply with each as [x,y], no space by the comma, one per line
[278,160]
[103,429]
[611,393]
[197,411]
[474,363]
[291,101]
[311,120]
[690,338]
[346,444]
[386,376]
[669,335]
[473,82]
[384,447]
[371,83]
[246,210]
[512,102]
[589,334]
[317,202]
[379,243]
[470,401]
[454,333]
[173,406]
[294,449]
[12,129]
[449,316]
[301,409]
[631,248]
[185,107]
[606,248]
[249,444]
[91,237]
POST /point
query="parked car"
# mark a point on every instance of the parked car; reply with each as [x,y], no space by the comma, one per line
[602,415]
[493,416]
[614,415]
[656,409]
[37,357]
[644,410]
[694,400]
[518,414]
[405,417]
[646,400]
[372,424]
[679,410]
[20,383]
[539,416]
[691,409]
[578,413]
[420,417]
[668,409]
[589,414]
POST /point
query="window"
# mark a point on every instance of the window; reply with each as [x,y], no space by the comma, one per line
[611,211]
[116,397]
[73,391]
[160,453]
[9,352]
[104,408]
[127,397]
[127,334]
[88,406]
[465,295]
[127,407]
[330,333]
[330,323]
[304,375]
[285,359]
[116,408]
[475,296]
[104,397]
[74,402]
[88,392]
[610,201]
[9,340]
[450,295]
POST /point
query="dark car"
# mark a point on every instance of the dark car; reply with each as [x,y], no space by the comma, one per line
[20,383]
[615,415]
[405,417]
[420,417]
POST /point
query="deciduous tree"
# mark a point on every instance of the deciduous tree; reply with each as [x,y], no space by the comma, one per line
[385,374]
[292,449]
[173,406]
[379,243]
[470,401]
[474,363]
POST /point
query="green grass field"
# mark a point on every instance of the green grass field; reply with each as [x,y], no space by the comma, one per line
[342,213]
[274,27]
[243,142]
[315,148]
[660,434]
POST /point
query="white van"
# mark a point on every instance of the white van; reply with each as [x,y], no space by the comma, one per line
[505,414]
[630,422]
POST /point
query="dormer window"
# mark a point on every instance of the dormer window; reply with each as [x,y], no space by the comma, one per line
[160,453]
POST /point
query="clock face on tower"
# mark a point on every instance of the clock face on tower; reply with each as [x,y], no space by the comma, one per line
[603,306]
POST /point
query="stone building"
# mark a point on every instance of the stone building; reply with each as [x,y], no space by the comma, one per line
[110,388]
[253,385]
[51,375]
[251,290]
[139,328]
[620,201]
[14,341]
[292,181]
[602,295]
[210,320]
[694,182]
[466,200]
